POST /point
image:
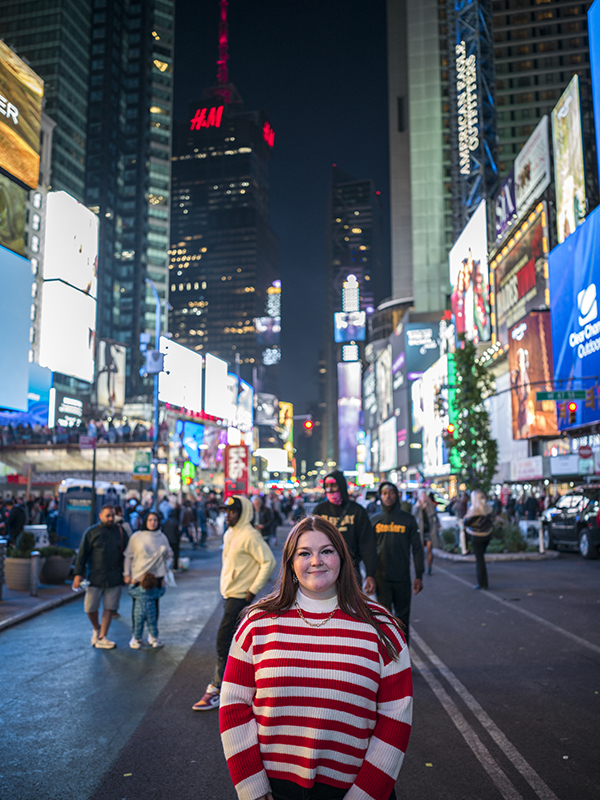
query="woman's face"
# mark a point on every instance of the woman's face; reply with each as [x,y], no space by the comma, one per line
[152,522]
[317,565]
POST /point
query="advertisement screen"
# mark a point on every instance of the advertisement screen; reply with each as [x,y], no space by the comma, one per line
[388,455]
[268,330]
[13,208]
[67,330]
[519,274]
[71,243]
[594,44]
[569,177]
[400,393]
[422,347]
[532,168]
[240,403]
[21,93]
[350,326]
[574,269]
[349,406]
[531,371]
[430,415]
[383,381]
[286,427]
[505,205]
[349,377]
[216,396]
[370,398]
[191,438]
[266,409]
[110,374]
[469,279]
[181,382]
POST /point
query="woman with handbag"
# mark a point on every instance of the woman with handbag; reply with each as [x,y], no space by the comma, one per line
[478,524]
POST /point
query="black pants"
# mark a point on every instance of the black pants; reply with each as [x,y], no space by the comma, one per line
[480,544]
[287,790]
[396,596]
[233,608]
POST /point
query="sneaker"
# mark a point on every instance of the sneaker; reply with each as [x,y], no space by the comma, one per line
[211,699]
[104,643]
[135,644]
[95,636]
[156,643]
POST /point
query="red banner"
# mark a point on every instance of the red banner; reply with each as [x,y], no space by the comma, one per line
[237,465]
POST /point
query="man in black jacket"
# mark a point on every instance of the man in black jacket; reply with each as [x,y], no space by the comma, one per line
[396,533]
[352,521]
[101,550]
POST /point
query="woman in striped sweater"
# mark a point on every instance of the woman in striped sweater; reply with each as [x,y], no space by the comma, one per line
[316,702]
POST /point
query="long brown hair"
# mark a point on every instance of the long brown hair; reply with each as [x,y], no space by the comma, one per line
[351,599]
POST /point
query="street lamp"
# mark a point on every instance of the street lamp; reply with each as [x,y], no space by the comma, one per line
[154,366]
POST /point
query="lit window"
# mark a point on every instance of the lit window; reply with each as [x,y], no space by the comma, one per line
[34,266]
[37,200]
[35,244]
[35,222]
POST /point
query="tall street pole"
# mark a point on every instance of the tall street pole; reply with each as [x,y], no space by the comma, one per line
[156,406]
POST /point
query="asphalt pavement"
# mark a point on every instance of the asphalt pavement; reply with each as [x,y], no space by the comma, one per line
[506,689]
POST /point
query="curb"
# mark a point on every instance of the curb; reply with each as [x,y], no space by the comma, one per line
[33,612]
[547,556]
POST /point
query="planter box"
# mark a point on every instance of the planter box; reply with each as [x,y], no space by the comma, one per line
[17,572]
[56,569]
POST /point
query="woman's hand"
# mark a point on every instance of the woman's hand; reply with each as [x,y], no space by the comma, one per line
[126,579]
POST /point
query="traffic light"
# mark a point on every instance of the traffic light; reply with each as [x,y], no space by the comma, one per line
[448,435]
[562,411]
[590,397]
[308,427]
[572,412]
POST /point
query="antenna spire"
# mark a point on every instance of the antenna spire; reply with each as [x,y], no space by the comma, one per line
[222,75]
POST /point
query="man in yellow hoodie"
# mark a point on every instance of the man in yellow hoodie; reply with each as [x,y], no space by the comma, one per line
[247,565]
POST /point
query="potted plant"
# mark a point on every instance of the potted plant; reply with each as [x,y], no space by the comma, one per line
[57,564]
[17,564]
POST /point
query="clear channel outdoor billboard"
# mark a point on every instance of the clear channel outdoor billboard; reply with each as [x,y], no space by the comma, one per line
[15,320]
[469,279]
[569,178]
[181,382]
[71,243]
[21,93]
[532,168]
[594,44]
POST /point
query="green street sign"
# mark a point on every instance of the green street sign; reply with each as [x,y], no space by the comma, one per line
[567,394]
[142,460]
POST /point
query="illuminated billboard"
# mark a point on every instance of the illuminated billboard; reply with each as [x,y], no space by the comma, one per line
[286,425]
[532,168]
[240,403]
[388,452]
[469,279]
[594,45]
[569,178]
[15,319]
[430,415]
[519,274]
[350,326]
[505,205]
[422,347]
[67,330]
[110,374]
[349,406]
[191,438]
[21,93]
[531,371]
[383,383]
[181,382]
[71,242]
[216,398]
[13,209]
[268,330]
[266,409]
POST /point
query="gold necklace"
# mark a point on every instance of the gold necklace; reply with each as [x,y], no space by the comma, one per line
[316,624]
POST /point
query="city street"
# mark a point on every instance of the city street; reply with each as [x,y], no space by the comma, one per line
[506,688]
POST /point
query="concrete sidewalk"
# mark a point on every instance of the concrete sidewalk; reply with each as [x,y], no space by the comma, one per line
[16,607]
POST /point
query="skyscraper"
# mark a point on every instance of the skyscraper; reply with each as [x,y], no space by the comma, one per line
[224,254]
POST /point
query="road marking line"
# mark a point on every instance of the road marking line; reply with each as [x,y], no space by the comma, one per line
[487,761]
[510,751]
[583,642]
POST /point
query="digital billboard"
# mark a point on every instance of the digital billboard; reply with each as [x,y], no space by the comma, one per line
[388,451]
[531,371]
[110,374]
[268,330]
[286,425]
[21,93]
[505,205]
[532,168]
[266,409]
[594,45]
[370,398]
[430,415]
[383,381]
[215,386]
[574,268]
[71,243]
[349,405]
[67,330]
[181,382]
[400,392]
[15,320]
[519,274]
[240,403]
[422,347]
[13,208]
[469,279]
[191,438]
[350,326]
[569,179]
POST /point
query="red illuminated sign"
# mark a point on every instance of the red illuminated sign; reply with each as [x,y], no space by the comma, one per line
[207,118]
[236,469]
[268,134]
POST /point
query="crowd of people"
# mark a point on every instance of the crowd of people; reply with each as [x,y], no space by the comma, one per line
[113,432]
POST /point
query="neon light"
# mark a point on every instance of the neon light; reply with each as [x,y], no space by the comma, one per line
[268,134]
[207,118]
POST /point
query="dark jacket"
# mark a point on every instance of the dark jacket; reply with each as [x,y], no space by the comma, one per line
[171,528]
[15,522]
[479,525]
[352,521]
[396,533]
[101,552]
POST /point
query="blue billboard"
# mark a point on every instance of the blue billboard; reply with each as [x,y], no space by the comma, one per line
[594,42]
[574,268]
[15,321]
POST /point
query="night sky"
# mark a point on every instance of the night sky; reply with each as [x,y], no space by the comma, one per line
[318,69]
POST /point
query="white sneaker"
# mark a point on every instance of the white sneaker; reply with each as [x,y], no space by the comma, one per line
[104,643]
[156,643]
[95,636]
[135,644]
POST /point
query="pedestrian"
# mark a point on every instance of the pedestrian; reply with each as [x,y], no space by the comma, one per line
[14,520]
[396,533]
[165,507]
[247,565]
[147,552]
[101,556]
[120,520]
[352,521]
[317,694]
[429,525]
[187,520]
[263,518]
[172,531]
[478,524]
[145,595]
[532,507]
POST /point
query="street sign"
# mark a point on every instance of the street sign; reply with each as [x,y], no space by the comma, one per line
[142,460]
[585,451]
[87,442]
[566,394]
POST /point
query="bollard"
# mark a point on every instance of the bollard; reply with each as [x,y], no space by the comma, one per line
[463,539]
[542,550]
[33,575]
[3,544]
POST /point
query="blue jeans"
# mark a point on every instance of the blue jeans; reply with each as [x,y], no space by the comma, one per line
[288,790]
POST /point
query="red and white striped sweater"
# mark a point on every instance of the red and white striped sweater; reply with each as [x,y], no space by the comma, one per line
[308,704]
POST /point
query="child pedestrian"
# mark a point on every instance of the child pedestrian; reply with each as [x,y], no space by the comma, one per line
[145,610]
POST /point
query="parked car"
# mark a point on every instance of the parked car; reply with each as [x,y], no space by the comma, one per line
[574,522]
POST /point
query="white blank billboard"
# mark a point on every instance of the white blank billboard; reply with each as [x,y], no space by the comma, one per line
[181,382]
[217,400]
[71,242]
[15,280]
